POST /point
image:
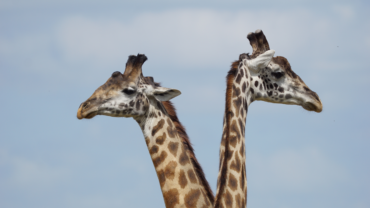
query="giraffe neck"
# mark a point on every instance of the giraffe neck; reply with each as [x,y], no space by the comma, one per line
[174,160]
[232,181]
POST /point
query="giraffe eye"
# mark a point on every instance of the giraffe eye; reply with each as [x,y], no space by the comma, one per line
[129,91]
[277,75]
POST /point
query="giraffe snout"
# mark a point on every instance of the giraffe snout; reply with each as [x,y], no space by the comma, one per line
[79,112]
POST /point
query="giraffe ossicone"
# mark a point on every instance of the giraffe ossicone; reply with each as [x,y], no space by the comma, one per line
[130,94]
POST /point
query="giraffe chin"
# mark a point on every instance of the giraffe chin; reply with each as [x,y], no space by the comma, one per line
[91,115]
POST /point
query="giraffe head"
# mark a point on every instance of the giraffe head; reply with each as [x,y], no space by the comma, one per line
[127,94]
[273,80]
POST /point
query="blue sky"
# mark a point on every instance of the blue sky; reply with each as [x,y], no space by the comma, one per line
[54,54]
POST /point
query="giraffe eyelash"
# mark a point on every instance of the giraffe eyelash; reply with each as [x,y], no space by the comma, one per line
[278,75]
[129,91]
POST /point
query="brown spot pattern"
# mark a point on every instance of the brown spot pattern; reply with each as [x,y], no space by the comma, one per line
[236,91]
[154,149]
[171,132]
[182,179]
[161,139]
[238,200]
[205,199]
[235,165]
[173,146]
[170,129]
[169,170]
[138,104]
[171,198]
[184,159]
[158,160]
[191,198]
[192,176]
[233,183]
[233,141]
[241,73]
[241,150]
[230,155]
[158,127]
[161,177]
[238,79]
[242,127]
[228,199]
[235,129]
[244,87]
[237,103]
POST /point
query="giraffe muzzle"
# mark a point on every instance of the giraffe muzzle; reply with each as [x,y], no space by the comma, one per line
[317,107]
[85,112]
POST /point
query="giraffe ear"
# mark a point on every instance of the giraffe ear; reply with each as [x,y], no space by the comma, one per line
[165,94]
[260,61]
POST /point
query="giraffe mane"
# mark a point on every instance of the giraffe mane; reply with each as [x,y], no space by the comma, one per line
[186,141]
[171,110]
[229,86]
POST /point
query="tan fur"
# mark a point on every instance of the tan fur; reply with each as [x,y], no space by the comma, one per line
[185,140]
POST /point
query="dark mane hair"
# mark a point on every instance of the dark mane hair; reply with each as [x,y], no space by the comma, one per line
[229,92]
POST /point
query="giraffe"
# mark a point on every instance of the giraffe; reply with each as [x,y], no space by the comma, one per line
[259,76]
[130,94]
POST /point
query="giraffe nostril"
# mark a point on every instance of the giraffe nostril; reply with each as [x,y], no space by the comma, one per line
[85,104]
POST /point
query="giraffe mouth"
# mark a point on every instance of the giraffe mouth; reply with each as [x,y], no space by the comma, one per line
[81,114]
[312,107]
[91,115]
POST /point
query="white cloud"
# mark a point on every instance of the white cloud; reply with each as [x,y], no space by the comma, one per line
[295,170]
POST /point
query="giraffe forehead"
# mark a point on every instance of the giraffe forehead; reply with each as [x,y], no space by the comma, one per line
[114,85]
[285,65]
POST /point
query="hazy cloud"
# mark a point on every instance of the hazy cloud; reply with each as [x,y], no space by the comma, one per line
[296,170]
[28,174]
[345,11]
